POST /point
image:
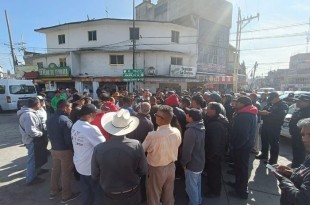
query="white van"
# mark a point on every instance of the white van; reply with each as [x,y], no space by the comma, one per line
[12,90]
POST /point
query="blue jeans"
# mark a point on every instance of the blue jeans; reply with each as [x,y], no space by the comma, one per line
[31,171]
[193,187]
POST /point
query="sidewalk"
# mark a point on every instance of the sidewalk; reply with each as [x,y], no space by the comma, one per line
[262,184]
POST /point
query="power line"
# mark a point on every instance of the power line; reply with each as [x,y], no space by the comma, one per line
[273,28]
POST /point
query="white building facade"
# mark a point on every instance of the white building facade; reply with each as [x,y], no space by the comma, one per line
[95,53]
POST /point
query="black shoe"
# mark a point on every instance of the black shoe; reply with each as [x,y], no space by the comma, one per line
[232,165]
[37,180]
[231,172]
[231,184]
[43,171]
[261,156]
[271,162]
[238,195]
[210,194]
[72,197]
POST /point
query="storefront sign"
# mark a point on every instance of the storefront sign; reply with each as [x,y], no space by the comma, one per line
[213,79]
[211,68]
[53,71]
[182,71]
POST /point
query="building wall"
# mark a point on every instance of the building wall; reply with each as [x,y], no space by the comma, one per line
[114,35]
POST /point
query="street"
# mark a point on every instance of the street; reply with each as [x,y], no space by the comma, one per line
[262,185]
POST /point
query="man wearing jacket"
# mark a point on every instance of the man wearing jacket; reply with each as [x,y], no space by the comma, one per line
[295,183]
[242,140]
[303,103]
[59,130]
[216,139]
[273,117]
[30,127]
[193,154]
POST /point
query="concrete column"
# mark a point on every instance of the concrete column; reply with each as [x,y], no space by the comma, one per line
[78,86]
[95,87]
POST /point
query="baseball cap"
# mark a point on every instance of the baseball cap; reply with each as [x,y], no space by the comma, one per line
[216,97]
[88,109]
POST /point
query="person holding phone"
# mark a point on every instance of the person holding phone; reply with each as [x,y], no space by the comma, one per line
[295,183]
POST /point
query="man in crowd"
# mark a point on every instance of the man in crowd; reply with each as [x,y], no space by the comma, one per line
[161,147]
[119,163]
[55,100]
[273,117]
[193,154]
[242,140]
[295,183]
[34,138]
[84,138]
[299,153]
[216,139]
[59,130]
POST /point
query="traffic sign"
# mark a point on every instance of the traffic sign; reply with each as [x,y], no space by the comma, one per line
[133,75]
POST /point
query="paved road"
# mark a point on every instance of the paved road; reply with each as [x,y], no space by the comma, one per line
[262,185]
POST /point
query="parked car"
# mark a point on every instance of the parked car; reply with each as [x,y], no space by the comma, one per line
[285,131]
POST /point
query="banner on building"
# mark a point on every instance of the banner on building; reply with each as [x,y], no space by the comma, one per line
[182,71]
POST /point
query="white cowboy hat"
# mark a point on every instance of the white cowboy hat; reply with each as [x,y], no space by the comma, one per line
[119,123]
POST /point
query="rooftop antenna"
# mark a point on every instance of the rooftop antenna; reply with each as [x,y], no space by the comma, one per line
[107,12]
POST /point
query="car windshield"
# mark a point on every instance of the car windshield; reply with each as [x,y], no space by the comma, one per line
[22,89]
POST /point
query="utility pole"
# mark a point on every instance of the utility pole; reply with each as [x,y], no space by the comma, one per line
[133,40]
[308,36]
[241,23]
[11,42]
[253,76]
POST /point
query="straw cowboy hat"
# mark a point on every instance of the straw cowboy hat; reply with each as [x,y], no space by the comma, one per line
[119,123]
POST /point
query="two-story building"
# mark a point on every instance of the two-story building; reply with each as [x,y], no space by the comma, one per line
[95,53]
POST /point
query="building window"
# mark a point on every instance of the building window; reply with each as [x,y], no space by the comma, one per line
[116,59]
[176,61]
[175,36]
[40,64]
[134,33]
[92,35]
[62,62]
[61,39]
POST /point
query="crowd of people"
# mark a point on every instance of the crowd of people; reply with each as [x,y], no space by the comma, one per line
[128,148]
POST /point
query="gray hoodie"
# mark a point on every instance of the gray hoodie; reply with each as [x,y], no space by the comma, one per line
[29,124]
[193,152]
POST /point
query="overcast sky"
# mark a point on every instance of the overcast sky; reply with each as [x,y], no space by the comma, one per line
[270,47]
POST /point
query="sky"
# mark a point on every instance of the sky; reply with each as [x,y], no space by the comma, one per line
[279,33]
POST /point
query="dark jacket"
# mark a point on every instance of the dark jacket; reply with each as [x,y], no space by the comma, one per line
[296,190]
[244,127]
[59,131]
[193,152]
[181,116]
[118,164]
[277,114]
[216,136]
[145,126]
[75,113]
[298,115]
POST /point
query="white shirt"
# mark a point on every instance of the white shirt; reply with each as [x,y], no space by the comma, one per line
[84,138]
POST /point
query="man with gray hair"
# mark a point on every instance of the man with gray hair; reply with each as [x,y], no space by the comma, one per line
[145,126]
[295,183]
